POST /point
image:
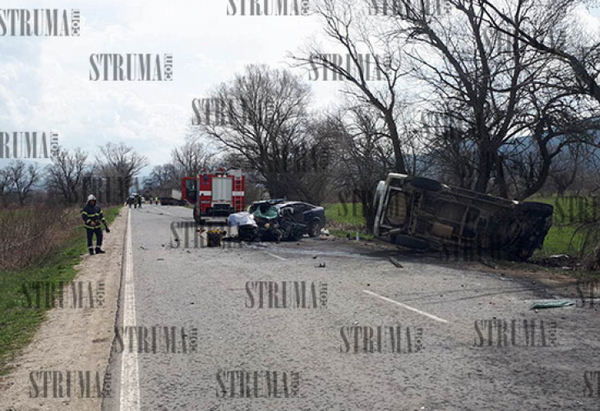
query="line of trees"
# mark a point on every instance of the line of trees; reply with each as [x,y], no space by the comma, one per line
[496,96]
[500,97]
[70,177]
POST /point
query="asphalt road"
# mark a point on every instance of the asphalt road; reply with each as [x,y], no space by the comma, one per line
[368,336]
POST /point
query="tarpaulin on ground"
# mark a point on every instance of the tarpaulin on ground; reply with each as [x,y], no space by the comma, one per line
[241,219]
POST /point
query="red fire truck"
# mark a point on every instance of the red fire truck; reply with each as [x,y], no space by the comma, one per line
[215,195]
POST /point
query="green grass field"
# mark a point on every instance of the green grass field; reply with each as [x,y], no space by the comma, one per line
[18,321]
[562,237]
[349,214]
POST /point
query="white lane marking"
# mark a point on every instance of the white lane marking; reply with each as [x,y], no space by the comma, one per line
[433,317]
[276,256]
[130,381]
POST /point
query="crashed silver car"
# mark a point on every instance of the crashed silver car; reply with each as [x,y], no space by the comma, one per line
[421,213]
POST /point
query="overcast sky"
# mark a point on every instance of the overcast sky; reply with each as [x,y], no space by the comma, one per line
[44,81]
[45,85]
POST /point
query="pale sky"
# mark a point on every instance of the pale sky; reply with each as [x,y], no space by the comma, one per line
[44,81]
[45,86]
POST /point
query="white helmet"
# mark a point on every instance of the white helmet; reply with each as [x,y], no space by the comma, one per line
[91,197]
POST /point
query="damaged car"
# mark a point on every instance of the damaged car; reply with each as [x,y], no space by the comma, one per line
[424,214]
[279,220]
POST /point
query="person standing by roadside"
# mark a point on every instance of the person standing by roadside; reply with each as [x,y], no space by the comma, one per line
[93,217]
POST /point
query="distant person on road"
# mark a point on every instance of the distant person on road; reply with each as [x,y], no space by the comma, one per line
[93,217]
[130,201]
[139,201]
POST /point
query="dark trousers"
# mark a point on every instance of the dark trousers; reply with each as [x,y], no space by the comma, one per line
[90,237]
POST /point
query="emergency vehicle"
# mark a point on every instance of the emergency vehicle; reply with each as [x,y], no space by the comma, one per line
[214,195]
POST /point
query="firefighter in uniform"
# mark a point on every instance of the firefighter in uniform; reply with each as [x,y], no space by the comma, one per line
[93,217]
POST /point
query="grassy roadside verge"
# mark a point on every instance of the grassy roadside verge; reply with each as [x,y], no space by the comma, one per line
[345,220]
[18,321]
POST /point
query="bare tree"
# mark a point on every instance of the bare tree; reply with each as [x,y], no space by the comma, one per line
[192,157]
[66,173]
[163,176]
[23,179]
[342,24]
[365,156]
[551,27]
[120,163]
[266,112]
[5,183]
[476,80]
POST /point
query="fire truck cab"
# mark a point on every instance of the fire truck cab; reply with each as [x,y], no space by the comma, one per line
[215,195]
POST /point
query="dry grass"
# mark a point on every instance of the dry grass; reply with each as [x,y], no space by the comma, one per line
[29,235]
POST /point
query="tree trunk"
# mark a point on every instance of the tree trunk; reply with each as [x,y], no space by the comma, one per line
[485,170]
[393,130]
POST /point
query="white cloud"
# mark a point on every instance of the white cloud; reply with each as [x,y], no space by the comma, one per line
[44,82]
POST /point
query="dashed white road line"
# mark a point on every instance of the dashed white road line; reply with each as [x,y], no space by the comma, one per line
[276,256]
[130,381]
[408,307]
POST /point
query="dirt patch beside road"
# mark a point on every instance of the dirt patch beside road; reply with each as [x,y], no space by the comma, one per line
[65,365]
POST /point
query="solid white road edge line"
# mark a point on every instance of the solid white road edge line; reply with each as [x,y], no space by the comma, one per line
[130,381]
[433,317]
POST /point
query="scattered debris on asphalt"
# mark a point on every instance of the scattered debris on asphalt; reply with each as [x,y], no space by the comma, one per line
[552,304]
[396,262]
[487,263]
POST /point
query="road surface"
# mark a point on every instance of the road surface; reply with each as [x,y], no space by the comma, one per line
[333,325]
